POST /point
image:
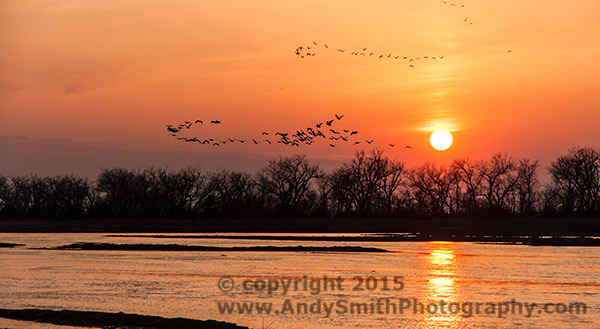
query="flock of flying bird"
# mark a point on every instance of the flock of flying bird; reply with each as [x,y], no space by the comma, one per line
[451,4]
[311,50]
[320,131]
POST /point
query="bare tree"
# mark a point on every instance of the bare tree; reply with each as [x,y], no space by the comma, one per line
[175,194]
[231,193]
[527,185]
[123,192]
[288,179]
[368,182]
[69,196]
[432,185]
[5,195]
[500,179]
[470,173]
[576,181]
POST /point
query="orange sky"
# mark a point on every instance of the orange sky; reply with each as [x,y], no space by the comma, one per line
[118,71]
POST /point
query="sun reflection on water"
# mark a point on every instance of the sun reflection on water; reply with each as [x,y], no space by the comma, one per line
[441,271]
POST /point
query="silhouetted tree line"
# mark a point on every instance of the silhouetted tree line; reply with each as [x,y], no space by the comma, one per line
[371,184]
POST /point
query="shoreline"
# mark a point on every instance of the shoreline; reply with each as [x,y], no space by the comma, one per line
[513,226]
[179,247]
[493,239]
[111,320]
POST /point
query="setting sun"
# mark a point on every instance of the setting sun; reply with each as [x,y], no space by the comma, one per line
[441,139]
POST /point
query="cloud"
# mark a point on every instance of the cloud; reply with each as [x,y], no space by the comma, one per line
[25,155]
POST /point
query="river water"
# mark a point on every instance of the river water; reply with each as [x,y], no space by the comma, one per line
[418,285]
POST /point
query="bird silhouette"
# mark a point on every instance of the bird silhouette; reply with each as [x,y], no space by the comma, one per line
[369,142]
[199,121]
[408,147]
[392,145]
[339,117]
[264,133]
[215,122]
[329,122]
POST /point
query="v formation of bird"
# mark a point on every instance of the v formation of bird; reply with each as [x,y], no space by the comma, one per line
[321,131]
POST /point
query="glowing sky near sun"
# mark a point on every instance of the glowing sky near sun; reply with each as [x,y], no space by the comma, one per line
[119,71]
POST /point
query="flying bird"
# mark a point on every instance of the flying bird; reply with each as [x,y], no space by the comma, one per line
[339,117]
[215,122]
